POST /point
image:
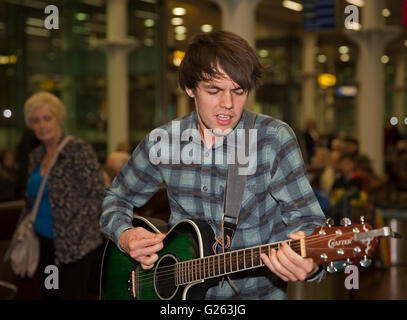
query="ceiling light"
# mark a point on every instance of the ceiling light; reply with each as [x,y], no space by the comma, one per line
[359,3]
[385,59]
[321,58]
[206,28]
[180,29]
[179,11]
[394,121]
[343,49]
[7,113]
[180,36]
[292,5]
[386,13]
[354,25]
[177,21]
[344,57]
[81,16]
[263,53]
[149,23]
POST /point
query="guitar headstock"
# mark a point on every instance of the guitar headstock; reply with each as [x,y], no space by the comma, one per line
[334,243]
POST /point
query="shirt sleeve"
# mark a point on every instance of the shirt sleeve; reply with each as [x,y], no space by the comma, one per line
[136,183]
[290,187]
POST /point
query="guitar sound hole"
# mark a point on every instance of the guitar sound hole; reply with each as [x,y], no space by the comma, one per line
[164,277]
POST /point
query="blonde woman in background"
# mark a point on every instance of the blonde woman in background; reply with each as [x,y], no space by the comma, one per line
[67,219]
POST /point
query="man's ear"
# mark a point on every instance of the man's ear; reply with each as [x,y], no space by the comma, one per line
[190,92]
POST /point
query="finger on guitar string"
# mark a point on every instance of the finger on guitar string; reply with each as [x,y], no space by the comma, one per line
[292,262]
[139,242]
[140,250]
[147,262]
[267,261]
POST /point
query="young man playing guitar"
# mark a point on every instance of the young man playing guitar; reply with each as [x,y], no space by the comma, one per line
[218,72]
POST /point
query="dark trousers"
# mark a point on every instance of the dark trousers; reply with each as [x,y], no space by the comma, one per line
[73,278]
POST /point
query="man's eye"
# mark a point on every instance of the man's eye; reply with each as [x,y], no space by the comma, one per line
[239,92]
[213,92]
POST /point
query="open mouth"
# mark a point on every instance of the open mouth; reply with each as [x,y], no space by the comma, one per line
[223,119]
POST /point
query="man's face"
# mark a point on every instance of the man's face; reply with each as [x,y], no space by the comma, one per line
[219,103]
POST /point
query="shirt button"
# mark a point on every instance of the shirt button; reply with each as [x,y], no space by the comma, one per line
[205,188]
[206,154]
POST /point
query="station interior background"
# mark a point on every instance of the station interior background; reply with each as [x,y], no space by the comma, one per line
[72,62]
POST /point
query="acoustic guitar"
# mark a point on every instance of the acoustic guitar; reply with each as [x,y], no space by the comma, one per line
[187,267]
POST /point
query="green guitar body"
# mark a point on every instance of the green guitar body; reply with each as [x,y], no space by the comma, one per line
[122,278]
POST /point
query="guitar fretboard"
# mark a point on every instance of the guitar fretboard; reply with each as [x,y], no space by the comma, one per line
[225,263]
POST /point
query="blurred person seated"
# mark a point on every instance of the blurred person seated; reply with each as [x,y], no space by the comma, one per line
[338,145]
[311,137]
[392,136]
[331,171]
[398,169]
[317,165]
[114,163]
[8,169]
[350,189]
[374,180]
[124,147]
[350,146]
[68,214]
[327,165]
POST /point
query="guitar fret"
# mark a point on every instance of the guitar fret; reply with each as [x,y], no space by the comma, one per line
[241,262]
[200,269]
[196,270]
[176,274]
[219,272]
[193,270]
[222,264]
[189,271]
[182,273]
[186,271]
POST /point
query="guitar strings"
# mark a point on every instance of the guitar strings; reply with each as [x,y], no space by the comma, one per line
[147,282]
[222,259]
[169,270]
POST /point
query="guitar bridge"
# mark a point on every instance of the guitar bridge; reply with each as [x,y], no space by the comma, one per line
[132,284]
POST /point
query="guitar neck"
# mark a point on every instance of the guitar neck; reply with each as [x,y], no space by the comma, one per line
[227,263]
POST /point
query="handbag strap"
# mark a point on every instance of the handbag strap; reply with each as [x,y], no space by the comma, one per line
[33,213]
[235,186]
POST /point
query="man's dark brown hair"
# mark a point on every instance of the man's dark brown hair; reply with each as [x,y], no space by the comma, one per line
[221,49]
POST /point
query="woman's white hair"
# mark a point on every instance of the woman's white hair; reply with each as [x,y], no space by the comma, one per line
[47,99]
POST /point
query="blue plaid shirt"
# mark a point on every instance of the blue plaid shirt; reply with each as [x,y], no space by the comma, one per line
[277,200]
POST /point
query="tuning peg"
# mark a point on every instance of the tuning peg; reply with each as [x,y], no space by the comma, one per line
[348,262]
[331,268]
[362,219]
[329,222]
[365,262]
[345,222]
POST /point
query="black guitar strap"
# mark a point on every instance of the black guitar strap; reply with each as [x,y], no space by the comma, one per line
[235,186]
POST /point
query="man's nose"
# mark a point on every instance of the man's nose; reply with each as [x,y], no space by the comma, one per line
[227,101]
